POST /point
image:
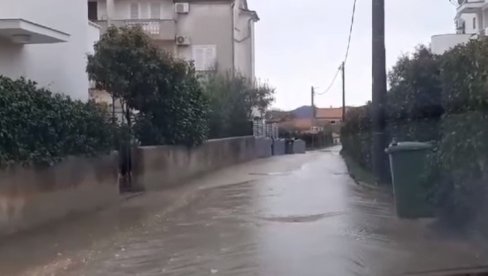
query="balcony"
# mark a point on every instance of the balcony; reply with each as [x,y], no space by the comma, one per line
[443,43]
[157,29]
[21,31]
[471,6]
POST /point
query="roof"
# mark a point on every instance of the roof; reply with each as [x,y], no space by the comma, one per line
[297,124]
[329,113]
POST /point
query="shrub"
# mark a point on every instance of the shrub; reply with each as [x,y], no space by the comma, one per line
[40,128]
[233,103]
[356,135]
[442,98]
[462,156]
[165,92]
[413,107]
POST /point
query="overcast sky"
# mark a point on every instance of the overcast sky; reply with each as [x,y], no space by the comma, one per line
[300,43]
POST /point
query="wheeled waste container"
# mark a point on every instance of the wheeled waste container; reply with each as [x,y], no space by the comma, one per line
[409,170]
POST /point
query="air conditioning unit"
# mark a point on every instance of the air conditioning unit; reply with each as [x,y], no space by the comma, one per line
[182,8]
[182,40]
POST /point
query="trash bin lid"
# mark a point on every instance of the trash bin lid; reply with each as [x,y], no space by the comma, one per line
[408,146]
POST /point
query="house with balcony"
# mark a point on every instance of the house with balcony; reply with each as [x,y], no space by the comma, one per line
[471,22]
[218,36]
[45,46]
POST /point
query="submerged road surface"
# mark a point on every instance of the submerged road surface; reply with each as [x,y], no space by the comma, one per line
[292,215]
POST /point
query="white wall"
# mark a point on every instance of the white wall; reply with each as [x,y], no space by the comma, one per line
[11,64]
[243,43]
[59,67]
[442,43]
[93,35]
[208,23]
[484,19]
[468,19]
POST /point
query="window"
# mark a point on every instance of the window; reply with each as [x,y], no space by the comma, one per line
[474,23]
[205,57]
[134,11]
[155,10]
[93,11]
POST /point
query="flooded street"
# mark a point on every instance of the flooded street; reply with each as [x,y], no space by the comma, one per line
[291,215]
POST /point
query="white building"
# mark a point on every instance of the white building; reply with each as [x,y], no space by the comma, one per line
[47,41]
[471,22]
[218,35]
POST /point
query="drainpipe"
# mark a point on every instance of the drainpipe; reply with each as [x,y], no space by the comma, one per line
[248,35]
[233,38]
[110,10]
[249,31]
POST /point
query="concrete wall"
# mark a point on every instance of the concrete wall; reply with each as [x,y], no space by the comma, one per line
[264,147]
[162,166]
[59,67]
[470,28]
[442,43]
[30,197]
[244,42]
[208,23]
[93,35]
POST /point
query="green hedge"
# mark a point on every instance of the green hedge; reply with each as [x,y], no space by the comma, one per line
[442,99]
[38,127]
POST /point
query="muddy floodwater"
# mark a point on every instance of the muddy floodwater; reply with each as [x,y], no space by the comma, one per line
[292,215]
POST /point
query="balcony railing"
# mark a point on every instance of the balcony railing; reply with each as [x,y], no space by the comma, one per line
[158,29]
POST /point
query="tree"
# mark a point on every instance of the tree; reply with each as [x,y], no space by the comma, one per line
[170,104]
[233,104]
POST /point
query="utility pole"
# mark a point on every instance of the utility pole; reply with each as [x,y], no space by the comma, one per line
[343,91]
[379,92]
[314,114]
[313,103]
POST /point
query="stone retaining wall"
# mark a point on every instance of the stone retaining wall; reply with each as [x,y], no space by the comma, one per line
[163,166]
[30,197]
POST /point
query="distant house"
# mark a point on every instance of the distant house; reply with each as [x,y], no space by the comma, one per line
[215,35]
[331,115]
[471,22]
[303,125]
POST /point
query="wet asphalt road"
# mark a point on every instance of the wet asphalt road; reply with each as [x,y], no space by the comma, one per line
[291,215]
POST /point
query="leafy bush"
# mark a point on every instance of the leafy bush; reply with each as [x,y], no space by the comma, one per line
[165,92]
[462,156]
[232,102]
[445,99]
[38,127]
[413,107]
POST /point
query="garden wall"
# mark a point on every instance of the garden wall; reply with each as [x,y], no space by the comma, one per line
[162,166]
[30,197]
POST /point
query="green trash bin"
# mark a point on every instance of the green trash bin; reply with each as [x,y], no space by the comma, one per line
[409,168]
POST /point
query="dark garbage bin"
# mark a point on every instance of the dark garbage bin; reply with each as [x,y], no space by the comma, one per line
[409,169]
[289,146]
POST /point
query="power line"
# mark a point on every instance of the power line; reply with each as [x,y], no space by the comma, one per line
[350,30]
[347,50]
[331,83]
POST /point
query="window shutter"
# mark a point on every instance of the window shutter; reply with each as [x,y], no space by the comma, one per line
[155,10]
[199,58]
[210,57]
[134,11]
[205,57]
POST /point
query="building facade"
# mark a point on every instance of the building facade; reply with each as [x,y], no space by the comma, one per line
[47,42]
[471,21]
[217,35]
